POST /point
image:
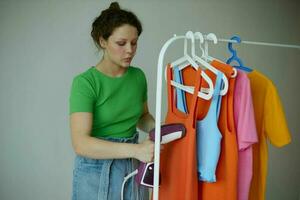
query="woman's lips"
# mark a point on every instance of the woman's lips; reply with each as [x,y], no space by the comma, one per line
[127,59]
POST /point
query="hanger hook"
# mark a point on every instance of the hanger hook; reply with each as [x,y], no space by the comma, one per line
[187,35]
[199,35]
[238,40]
[234,56]
[190,35]
[213,37]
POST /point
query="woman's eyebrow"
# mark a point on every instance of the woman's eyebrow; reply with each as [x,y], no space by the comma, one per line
[125,39]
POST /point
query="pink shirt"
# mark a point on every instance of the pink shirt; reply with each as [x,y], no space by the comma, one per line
[246,132]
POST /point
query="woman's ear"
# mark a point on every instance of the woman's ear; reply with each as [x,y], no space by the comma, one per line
[102,42]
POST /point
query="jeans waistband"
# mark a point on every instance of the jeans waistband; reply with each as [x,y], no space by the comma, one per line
[133,139]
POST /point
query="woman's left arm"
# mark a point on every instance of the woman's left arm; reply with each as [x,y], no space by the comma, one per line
[146,123]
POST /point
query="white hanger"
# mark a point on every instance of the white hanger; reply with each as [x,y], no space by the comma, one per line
[186,60]
[212,37]
[207,65]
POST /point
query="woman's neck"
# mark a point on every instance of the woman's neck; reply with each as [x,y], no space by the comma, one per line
[110,69]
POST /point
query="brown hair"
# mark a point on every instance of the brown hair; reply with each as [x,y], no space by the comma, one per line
[111,18]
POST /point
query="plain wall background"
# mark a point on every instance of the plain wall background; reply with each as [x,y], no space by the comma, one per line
[44,44]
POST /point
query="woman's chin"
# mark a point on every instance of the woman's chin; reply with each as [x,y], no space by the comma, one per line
[126,64]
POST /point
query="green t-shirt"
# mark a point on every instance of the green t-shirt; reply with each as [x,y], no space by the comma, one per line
[116,102]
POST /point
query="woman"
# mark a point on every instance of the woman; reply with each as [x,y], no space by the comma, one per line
[107,103]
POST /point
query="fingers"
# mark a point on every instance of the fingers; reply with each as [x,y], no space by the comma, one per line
[147,152]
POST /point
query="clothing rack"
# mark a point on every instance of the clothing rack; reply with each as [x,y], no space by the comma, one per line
[160,70]
[262,43]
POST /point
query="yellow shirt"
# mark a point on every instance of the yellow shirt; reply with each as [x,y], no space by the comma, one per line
[270,124]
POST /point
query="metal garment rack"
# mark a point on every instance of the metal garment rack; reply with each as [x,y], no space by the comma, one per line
[160,70]
[262,43]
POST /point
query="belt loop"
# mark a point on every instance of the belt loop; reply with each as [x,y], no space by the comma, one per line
[104,180]
[133,185]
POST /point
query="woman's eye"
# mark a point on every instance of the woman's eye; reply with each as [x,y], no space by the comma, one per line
[124,43]
[121,43]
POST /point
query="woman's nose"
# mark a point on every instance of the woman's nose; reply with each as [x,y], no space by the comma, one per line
[129,48]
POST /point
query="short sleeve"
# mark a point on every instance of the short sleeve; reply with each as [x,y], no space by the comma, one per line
[244,113]
[145,87]
[275,125]
[82,97]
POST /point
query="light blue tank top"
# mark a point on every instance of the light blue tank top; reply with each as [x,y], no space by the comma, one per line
[180,101]
[209,137]
[208,133]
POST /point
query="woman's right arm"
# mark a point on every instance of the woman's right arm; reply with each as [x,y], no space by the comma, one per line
[85,145]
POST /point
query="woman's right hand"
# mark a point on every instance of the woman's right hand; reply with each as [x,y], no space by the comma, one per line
[145,151]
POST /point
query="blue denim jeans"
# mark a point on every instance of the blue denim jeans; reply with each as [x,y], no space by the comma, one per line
[101,179]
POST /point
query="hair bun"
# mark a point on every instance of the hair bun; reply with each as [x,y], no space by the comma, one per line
[114,6]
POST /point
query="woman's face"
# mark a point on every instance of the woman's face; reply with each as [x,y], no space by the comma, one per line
[121,45]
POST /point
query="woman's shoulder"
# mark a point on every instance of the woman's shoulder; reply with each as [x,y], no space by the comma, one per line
[139,74]
[85,76]
[137,70]
[86,73]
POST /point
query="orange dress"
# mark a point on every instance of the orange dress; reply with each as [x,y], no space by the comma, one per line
[178,164]
[226,173]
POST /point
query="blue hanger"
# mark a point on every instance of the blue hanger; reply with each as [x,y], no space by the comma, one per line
[234,56]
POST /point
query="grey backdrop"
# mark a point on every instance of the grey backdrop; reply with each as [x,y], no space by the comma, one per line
[44,44]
